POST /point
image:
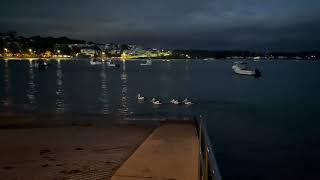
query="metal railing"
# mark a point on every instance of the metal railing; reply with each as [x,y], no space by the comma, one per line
[208,165]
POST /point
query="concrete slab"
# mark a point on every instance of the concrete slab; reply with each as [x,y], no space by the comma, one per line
[171,152]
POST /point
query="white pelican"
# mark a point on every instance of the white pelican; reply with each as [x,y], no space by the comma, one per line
[140,98]
[187,102]
[155,102]
[173,101]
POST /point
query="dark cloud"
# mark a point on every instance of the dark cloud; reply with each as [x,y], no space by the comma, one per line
[197,24]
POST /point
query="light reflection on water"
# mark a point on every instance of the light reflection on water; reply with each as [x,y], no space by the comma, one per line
[7,85]
[124,109]
[104,91]
[60,97]
[31,91]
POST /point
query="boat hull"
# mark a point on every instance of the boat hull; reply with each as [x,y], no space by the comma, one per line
[95,63]
[241,71]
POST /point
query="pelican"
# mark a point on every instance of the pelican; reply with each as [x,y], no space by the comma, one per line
[173,101]
[155,102]
[140,98]
[186,102]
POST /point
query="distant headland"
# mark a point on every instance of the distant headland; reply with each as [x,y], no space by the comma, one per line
[14,46]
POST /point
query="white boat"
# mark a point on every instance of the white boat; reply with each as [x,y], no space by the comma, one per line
[155,102]
[240,68]
[147,63]
[95,62]
[140,98]
[111,64]
[174,101]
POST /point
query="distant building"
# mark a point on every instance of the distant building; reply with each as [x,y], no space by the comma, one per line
[135,50]
[115,52]
[88,51]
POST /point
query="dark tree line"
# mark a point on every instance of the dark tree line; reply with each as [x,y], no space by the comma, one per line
[38,44]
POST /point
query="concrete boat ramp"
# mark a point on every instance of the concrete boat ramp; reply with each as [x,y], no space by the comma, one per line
[171,152]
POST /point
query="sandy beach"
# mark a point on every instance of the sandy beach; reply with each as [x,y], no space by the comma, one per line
[78,151]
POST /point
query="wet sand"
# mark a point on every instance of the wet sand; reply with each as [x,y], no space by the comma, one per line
[78,151]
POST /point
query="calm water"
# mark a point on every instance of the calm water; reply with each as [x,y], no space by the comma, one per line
[265,128]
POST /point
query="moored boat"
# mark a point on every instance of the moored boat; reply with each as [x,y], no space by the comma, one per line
[95,62]
[112,64]
[241,68]
[147,63]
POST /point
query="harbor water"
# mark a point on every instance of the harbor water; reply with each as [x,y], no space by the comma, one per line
[261,128]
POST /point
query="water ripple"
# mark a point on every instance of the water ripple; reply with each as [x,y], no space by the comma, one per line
[104,91]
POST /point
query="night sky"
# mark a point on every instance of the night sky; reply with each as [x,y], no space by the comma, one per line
[176,24]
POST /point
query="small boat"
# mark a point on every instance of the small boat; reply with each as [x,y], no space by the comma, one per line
[155,102]
[147,63]
[187,102]
[41,64]
[174,101]
[140,98]
[257,59]
[240,68]
[112,64]
[95,62]
[209,59]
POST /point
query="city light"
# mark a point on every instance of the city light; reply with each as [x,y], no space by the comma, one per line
[30,50]
[58,51]
[5,49]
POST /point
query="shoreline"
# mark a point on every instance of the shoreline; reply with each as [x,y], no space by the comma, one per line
[32,59]
[80,58]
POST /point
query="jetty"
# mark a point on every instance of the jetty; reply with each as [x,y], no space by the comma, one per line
[175,150]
